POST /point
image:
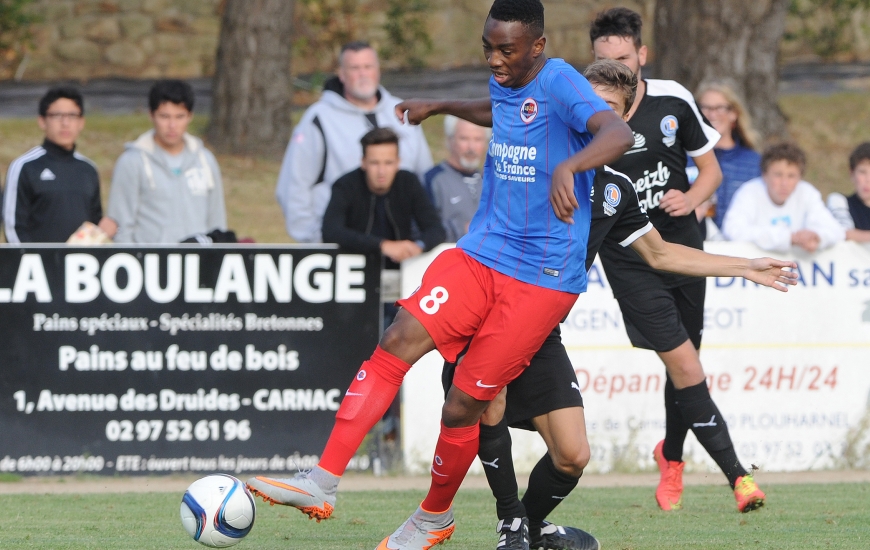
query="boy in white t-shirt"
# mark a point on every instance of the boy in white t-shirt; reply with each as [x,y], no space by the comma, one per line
[779,209]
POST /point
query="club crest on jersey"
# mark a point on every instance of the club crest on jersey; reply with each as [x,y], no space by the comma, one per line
[669,128]
[529,110]
[612,196]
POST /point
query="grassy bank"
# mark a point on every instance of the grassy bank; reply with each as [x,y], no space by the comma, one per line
[828,127]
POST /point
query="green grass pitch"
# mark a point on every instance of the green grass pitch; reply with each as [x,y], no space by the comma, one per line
[796,517]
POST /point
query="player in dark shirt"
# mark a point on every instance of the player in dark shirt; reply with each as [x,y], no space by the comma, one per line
[52,189]
[546,397]
[665,312]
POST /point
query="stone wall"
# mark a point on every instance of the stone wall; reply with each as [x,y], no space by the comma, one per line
[84,39]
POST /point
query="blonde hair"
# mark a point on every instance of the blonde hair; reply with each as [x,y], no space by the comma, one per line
[613,76]
[743,130]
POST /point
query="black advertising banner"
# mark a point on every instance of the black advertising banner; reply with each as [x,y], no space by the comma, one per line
[182,359]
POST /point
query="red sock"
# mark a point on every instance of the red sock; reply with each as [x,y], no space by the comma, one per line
[372,391]
[454,454]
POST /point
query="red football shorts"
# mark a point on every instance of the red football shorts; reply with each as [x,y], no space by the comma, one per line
[461,298]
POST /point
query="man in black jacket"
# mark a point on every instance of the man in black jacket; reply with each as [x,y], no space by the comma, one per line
[52,189]
[373,208]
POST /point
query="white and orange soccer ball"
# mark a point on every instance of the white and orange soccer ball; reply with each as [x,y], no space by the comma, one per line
[218,511]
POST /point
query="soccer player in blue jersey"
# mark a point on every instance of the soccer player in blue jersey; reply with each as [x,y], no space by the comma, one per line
[509,282]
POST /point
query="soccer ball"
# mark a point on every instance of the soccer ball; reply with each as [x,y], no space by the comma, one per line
[217,511]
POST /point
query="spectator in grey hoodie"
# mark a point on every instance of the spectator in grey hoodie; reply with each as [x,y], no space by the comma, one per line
[326,143]
[166,185]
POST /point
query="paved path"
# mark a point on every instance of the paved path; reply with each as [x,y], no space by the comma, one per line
[356,482]
[122,96]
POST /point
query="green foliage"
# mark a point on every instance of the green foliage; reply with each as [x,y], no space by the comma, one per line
[825,25]
[323,26]
[408,38]
[15,37]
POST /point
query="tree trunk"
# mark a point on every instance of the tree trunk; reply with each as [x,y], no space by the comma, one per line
[730,41]
[252,93]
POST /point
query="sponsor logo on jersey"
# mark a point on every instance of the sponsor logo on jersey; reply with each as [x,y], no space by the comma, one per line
[47,175]
[639,144]
[646,186]
[639,141]
[669,128]
[612,196]
[529,110]
[510,161]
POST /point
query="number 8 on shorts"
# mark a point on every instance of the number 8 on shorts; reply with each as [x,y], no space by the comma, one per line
[431,303]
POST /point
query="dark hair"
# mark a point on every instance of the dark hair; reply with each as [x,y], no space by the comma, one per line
[355,46]
[528,12]
[170,91]
[786,151]
[379,136]
[861,153]
[615,76]
[621,22]
[61,92]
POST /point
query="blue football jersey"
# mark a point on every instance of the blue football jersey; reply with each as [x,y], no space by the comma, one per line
[534,128]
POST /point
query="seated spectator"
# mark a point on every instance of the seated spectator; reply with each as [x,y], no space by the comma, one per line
[735,150]
[52,189]
[779,209]
[454,185]
[325,143]
[167,186]
[853,212]
[372,207]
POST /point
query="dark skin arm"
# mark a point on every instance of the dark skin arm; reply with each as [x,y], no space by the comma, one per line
[612,139]
[476,111]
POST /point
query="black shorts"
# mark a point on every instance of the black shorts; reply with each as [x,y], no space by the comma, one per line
[547,384]
[661,319]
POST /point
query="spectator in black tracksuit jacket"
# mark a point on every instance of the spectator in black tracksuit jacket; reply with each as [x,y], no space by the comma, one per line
[373,208]
[52,189]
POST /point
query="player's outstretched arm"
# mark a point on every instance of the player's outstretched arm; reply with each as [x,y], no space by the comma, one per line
[476,111]
[612,139]
[677,258]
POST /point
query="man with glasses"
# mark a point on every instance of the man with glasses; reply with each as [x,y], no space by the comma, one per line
[52,189]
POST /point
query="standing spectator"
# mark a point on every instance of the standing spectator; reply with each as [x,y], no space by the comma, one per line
[454,185]
[779,209]
[372,207]
[853,212]
[167,186]
[325,143]
[52,189]
[735,150]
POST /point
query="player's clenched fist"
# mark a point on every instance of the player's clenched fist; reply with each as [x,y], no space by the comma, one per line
[418,110]
[562,194]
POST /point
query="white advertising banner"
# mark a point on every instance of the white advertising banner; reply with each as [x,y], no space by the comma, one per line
[790,372]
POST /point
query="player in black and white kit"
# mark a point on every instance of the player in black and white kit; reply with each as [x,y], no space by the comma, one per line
[546,397]
[665,312]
